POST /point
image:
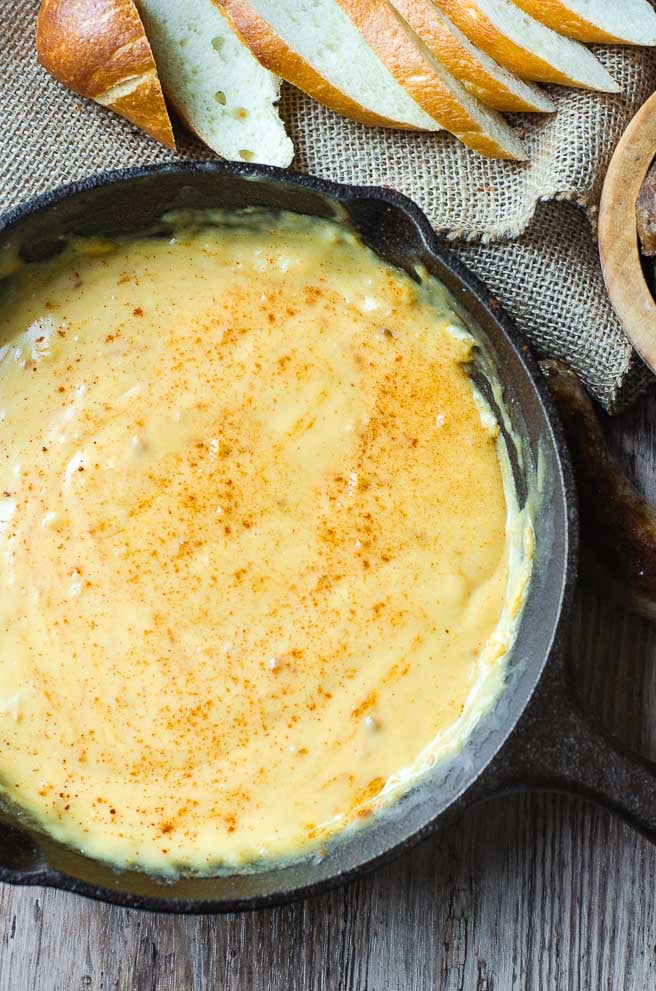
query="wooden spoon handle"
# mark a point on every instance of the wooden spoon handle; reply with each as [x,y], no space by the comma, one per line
[618,525]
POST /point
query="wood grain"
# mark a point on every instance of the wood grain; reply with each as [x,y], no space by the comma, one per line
[527,893]
[618,242]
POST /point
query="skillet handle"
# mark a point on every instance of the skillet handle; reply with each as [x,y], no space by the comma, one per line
[556,747]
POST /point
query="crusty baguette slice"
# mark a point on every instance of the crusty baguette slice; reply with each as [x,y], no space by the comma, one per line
[527,47]
[478,73]
[99,49]
[304,42]
[366,63]
[426,79]
[214,82]
[622,22]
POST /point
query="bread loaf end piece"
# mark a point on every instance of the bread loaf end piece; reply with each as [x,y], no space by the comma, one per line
[99,49]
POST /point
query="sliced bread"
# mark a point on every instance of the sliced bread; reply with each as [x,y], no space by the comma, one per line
[526,46]
[306,42]
[429,82]
[98,48]
[214,82]
[362,54]
[478,73]
[622,22]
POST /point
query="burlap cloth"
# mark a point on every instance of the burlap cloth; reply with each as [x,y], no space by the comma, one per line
[521,228]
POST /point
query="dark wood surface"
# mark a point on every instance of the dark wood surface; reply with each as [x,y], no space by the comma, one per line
[528,892]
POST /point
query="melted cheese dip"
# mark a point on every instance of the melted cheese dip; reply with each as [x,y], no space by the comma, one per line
[254,542]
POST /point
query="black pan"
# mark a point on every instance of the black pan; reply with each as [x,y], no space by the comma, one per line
[535,736]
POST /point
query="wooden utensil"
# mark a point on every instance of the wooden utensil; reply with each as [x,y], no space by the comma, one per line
[618,239]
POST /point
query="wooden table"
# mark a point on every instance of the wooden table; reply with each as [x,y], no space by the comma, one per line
[529,892]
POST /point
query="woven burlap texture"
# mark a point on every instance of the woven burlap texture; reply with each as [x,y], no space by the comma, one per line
[522,228]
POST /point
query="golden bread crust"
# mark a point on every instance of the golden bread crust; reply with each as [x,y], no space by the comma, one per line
[99,49]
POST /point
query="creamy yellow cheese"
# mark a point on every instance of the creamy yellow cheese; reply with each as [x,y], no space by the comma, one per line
[254,542]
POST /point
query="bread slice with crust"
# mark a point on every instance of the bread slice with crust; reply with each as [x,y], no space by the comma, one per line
[99,49]
[360,58]
[478,73]
[429,82]
[215,83]
[621,22]
[303,44]
[525,46]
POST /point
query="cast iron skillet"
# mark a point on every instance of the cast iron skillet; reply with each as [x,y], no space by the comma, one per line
[536,736]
